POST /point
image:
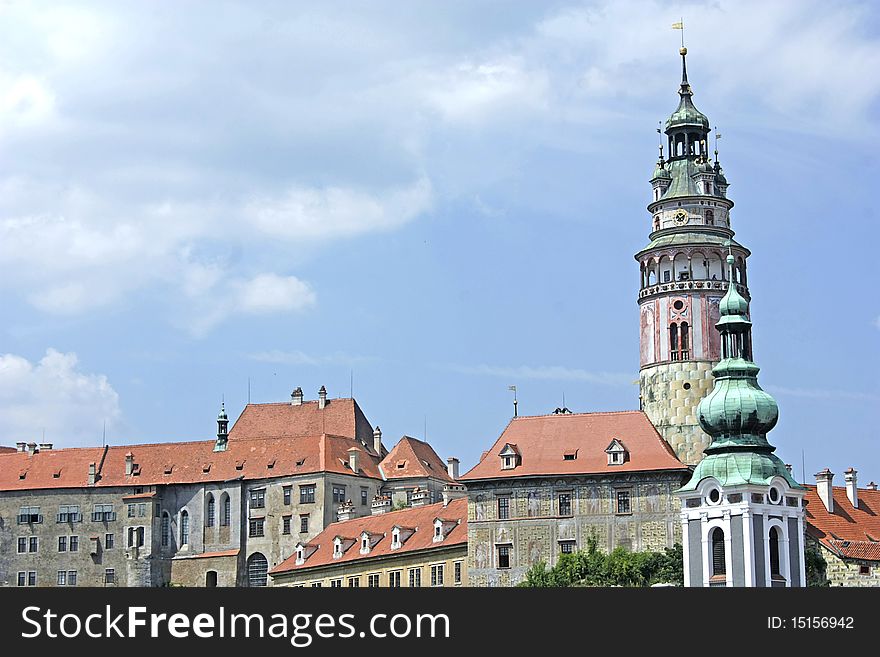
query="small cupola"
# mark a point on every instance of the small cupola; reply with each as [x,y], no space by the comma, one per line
[222,429]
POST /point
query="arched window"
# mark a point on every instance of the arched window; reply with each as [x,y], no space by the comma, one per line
[685,349]
[673,341]
[211,579]
[719,563]
[166,529]
[774,552]
[710,218]
[210,511]
[257,569]
[184,527]
[226,510]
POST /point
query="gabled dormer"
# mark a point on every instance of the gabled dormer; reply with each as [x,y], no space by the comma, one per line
[442,527]
[510,457]
[341,544]
[369,540]
[304,551]
[400,535]
[617,452]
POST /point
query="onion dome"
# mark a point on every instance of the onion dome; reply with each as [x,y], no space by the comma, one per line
[222,414]
[686,115]
[737,413]
[661,172]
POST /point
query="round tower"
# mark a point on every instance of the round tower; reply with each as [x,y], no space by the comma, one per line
[683,277]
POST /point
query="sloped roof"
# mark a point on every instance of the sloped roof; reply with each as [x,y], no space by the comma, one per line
[848,532]
[6,450]
[340,417]
[183,462]
[411,457]
[543,440]
[420,518]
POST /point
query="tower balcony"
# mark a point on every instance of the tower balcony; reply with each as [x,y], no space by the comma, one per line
[704,285]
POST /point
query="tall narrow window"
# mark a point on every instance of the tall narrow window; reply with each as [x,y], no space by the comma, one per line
[226,512]
[184,527]
[166,529]
[209,515]
[719,565]
[774,552]
[673,341]
[503,508]
[685,349]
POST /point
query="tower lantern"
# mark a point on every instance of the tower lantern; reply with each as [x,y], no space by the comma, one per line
[683,277]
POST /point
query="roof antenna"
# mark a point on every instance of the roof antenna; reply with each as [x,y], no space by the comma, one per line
[513,388]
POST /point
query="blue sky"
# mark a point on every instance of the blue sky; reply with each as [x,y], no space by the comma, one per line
[436,199]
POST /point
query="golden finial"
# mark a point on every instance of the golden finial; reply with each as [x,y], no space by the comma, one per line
[683,51]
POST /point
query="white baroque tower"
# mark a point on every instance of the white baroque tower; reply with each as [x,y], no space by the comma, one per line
[683,278]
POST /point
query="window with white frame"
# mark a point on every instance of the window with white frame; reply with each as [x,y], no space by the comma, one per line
[437,575]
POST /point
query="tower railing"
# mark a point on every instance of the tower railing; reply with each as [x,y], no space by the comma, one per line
[682,286]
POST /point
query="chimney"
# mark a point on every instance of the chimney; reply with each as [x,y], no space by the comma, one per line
[871,486]
[32,448]
[453,492]
[19,447]
[452,467]
[823,487]
[852,491]
[377,440]
[93,476]
[381,504]
[129,464]
[345,511]
[353,459]
[419,497]
[45,447]
[322,397]
[296,397]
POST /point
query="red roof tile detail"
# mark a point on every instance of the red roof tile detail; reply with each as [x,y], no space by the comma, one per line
[322,453]
[848,532]
[543,440]
[417,458]
[421,517]
[340,417]
[6,450]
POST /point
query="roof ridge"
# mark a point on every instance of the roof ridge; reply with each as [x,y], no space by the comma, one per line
[546,415]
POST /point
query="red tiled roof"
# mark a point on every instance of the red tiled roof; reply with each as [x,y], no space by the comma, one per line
[183,462]
[340,417]
[7,450]
[543,440]
[421,518]
[413,458]
[849,532]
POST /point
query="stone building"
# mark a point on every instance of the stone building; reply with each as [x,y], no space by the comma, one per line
[551,482]
[683,278]
[219,512]
[419,546]
[414,473]
[843,523]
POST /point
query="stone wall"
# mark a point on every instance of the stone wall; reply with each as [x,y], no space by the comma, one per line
[535,531]
[672,407]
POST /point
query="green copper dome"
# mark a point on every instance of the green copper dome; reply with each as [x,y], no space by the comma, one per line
[737,413]
[660,172]
[686,115]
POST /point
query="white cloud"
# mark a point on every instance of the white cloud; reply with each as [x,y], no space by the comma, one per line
[268,293]
[54,396]
[544,372]
[308,214]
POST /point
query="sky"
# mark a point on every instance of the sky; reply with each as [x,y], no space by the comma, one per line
[423,203]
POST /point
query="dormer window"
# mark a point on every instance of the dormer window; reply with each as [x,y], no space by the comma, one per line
[305,550]
[617,453]
[341,545]
[337,548]
[509,457]
[399,536]
[365,545]
[570,456]
[442,528]
[395,538]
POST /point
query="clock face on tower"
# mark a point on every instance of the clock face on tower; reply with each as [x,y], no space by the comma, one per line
[680,217]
